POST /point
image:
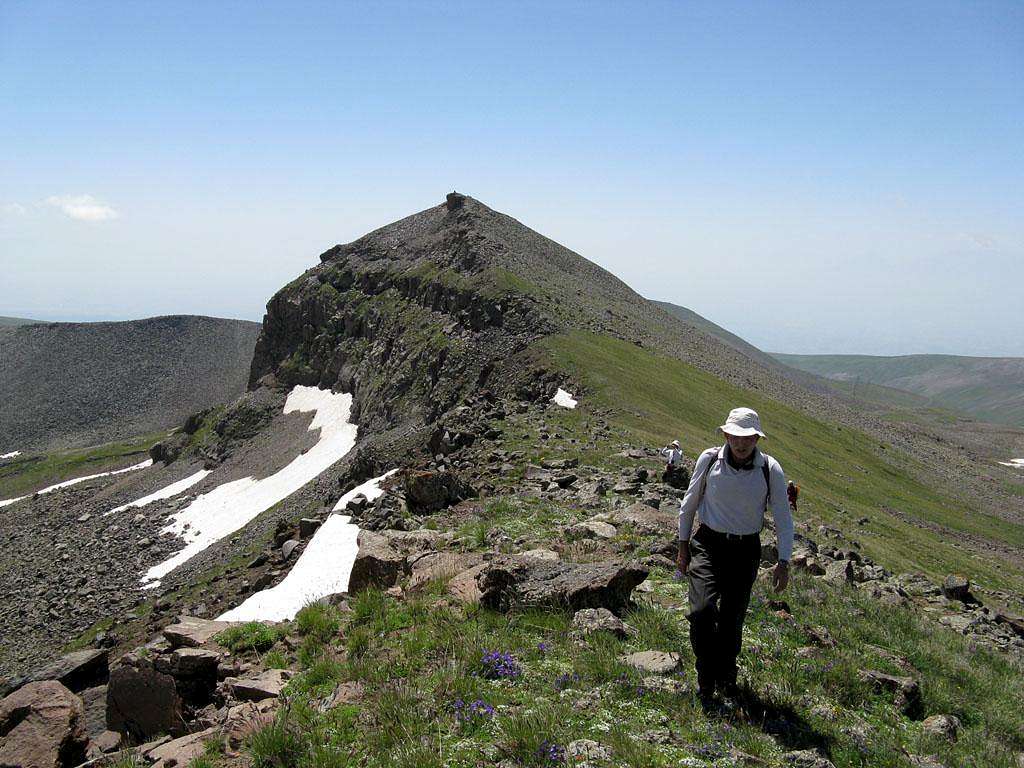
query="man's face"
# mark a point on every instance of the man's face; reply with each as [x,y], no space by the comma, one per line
[742,447]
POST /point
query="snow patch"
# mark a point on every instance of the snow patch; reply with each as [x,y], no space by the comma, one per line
[1015,463]
[322,569]
[370,489]
[564,399]
[228,507]
[164,493]
[77,480]
[10,455]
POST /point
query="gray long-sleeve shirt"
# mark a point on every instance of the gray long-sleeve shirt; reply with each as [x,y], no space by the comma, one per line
[733,500]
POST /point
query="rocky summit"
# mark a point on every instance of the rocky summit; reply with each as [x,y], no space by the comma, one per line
[475,565]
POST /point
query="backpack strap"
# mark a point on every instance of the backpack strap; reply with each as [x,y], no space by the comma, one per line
[767,482]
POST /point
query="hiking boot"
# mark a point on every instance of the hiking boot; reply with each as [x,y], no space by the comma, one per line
[708,703]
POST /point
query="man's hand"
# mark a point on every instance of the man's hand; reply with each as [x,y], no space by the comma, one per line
[683,557]
[780,576]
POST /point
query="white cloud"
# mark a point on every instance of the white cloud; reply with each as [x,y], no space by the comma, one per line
[82,207]
[13,209]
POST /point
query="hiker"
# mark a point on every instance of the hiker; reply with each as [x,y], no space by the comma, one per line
[792,493]
[673,474]
[731,488]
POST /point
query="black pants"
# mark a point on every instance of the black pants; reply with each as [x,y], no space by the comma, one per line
[722,572]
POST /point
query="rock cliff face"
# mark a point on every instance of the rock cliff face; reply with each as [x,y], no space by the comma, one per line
[408,318]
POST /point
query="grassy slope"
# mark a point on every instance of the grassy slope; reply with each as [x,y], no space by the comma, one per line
[986,388]
[845,475]
[31,472]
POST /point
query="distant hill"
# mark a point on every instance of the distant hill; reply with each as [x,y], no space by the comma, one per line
[74,384]
[4,321]
[988,388]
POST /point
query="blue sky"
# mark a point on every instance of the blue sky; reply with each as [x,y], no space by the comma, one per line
[816,177]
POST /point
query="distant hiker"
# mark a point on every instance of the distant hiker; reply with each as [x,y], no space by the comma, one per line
[673,474]
[731,488]
[792,492]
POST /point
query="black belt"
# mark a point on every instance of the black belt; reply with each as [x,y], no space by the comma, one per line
[712,533]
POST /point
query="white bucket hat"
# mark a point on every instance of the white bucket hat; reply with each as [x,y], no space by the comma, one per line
[742,422]
[675,443]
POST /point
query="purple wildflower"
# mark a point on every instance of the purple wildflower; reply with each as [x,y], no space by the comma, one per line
[472,713]
[550,753]
[542,647]
[498,665]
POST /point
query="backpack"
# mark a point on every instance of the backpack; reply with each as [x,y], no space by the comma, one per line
[765,470]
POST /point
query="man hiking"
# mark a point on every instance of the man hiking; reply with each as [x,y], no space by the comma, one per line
[730,489]
[792,493]
[673,474]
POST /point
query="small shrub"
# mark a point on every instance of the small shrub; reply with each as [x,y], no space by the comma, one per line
[358,642]
[318,620]
[278,745]
[275,660]
[251,636]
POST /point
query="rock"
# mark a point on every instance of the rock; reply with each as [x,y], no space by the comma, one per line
[960,622]
[957,588]
[560,463]
[94,703]
[76,671]
[463,586]
[141,700]
[349,692]
[654,662]
[267,685]
[182,751]
[427,492]
[190,662]
[308,526]
[840,572]
[944,726]
[536,474]
[288,548]
[439,565]
[585,751]
[542,554]
[626,488]
[925,761]
[191,631]
[106,742]
[646,520]
[510,580]
[590,620]
[376,564]
[42,726]
[906,689]
[806,758]
[419,540]
[670,685]
[590,529]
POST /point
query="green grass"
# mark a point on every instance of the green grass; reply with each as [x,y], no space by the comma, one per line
[26,474]
[253,636]
[844,474]
[421,658]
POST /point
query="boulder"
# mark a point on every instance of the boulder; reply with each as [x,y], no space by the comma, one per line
[189,662]
[957,588]
[182,751]
[840,572]
[289,547]
[193,632]
[542,554]
[439,565]
[308,526]
[653,662]
[590,529]
[646,520]
[586,751]
[906,690]
[463,586]
[419,540]
[141,700]
[513,580]
[42,726]
[427,492]
[76,671]
[94,703]
[943,726]
[268,684]
[376,564]
[590,620]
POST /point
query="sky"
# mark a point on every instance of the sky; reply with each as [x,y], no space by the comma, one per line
[815,177]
